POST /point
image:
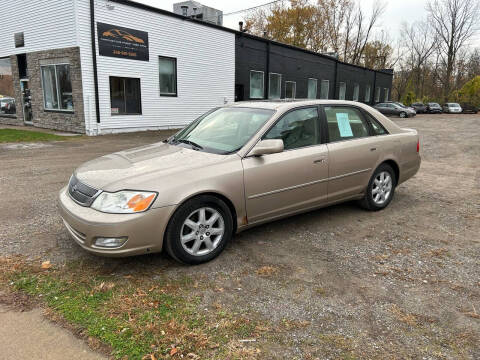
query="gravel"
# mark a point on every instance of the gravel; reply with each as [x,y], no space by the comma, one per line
[344,282]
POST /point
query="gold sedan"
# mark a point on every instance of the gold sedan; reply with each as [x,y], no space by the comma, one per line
[233,168]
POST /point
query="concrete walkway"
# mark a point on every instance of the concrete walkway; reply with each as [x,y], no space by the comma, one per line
[28,335]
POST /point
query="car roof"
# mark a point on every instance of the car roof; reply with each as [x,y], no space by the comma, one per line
[289,104]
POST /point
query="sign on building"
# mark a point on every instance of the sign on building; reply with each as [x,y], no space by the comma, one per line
[117,41]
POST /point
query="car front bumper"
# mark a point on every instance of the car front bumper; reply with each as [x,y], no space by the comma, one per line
[144,231]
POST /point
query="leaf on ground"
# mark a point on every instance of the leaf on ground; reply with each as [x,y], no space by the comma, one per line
[173,351]
[267,271]
[46,265]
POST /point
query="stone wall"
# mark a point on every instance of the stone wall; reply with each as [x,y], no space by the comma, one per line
[73,121]
[67,121]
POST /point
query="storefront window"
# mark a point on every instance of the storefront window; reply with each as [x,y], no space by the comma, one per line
[290,89]
[356,92]
[312,88]
[275,86]
[57,87]
[256,85]
[168,76]
[7,98]
[324,89]
[125,96]
[342,89]
[367,93]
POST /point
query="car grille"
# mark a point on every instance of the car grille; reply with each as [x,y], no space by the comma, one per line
[81,193]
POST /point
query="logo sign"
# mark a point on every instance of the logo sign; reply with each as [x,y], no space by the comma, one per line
[117,41]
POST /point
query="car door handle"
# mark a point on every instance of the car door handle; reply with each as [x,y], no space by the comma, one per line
[373,149]
[319,161]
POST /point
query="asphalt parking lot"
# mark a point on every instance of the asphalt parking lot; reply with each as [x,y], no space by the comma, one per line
[400,283]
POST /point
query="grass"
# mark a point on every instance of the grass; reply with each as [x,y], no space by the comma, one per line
[136,317]
[14,135]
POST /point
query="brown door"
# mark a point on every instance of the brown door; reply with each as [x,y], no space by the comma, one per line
[295,179]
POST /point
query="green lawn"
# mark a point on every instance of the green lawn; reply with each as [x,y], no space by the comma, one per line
[13,135]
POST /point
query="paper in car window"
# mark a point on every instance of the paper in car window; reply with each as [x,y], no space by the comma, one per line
[344,125]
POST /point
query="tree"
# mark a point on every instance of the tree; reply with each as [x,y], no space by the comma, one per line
[470,92]
[454,23]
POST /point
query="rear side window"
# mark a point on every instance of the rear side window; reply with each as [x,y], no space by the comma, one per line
[345,123]
[378,129]
[298,128]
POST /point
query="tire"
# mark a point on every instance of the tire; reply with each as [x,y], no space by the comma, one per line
[403,114]
[187,223]
[369,202]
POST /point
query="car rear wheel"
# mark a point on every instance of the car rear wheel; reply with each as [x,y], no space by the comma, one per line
[199,230]
[403,114]
[380,189]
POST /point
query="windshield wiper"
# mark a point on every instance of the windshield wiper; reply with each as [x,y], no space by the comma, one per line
[193,144]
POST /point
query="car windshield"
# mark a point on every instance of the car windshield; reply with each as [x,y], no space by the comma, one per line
[400,104]
[453,105]
[223,130]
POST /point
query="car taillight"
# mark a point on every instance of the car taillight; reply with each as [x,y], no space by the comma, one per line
[418,145]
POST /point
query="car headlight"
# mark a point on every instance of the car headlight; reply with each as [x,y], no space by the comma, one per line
[124,202]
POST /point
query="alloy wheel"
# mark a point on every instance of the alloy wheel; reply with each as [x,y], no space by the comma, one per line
[202,231]
[382,188]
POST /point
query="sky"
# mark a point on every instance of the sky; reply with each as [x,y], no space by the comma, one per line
[396,12]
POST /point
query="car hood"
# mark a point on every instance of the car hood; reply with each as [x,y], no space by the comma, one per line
[141,167]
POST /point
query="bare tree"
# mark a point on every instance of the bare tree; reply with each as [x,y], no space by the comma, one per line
[455,22]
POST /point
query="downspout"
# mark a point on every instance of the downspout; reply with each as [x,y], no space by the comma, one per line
[335,80]
[94,58]
[267,79]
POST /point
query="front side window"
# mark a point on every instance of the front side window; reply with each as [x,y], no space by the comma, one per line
[274,86]
[223,130]
[256,85]
[168,76]
[57,87]
[298,128]
[312,88]
[324,89]
[356,91]
[345,123]
[290,89]
[342,89]
[377,94]
[367,93]
[125,96]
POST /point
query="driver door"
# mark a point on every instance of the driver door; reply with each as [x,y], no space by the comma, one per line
[293,180]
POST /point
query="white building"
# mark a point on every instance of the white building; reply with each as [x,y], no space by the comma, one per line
[155,69]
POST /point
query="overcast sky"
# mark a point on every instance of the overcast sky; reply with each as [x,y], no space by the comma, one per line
[396,12]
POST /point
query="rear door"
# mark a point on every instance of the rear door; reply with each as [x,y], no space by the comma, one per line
[353,152]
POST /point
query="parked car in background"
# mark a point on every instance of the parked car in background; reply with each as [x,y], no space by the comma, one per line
[469,108]
[7,105]
[393,108]
[452,108]
[434,108]
[235,167]
[419,107]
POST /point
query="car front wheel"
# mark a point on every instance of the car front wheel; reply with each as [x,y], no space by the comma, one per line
[403,114]
[199,230]
[380,189]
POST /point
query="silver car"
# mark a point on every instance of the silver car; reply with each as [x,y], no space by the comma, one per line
[452,108]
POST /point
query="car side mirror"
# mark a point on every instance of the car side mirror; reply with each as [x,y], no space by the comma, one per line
[269,146]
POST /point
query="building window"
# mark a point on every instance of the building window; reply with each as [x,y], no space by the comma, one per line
[386,93]
[168,76]
[7,94]
[290,89]
[367,93]
[356,91]
[57,87]
[312,88]
[125,96]
[377,94]
[274,86]
[256,85]
[324,89]
[342,89]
